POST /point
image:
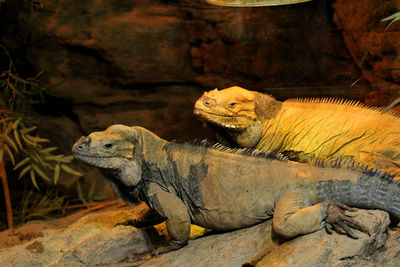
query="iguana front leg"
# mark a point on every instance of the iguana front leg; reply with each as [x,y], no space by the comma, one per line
[294,215]
[174,210]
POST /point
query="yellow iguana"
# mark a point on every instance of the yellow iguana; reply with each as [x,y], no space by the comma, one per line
[304,129]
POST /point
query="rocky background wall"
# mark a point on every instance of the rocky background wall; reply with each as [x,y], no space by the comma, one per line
[145,62]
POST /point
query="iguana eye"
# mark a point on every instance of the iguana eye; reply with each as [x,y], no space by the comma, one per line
[108,145]
[232,105]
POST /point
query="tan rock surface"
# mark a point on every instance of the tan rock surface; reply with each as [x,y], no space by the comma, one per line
[98,239]
[320,249]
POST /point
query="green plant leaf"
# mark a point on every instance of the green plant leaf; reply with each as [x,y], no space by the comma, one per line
[10,154]
[56,173]
[17,139]
[33,102]
[40,172]
[70,171]
[16,123]
[17,91]
[53,157]
[27,141]
[371,72]
[15,77]
[1,155]
[8,130]
[36,76]
[28,130]
[80,193]
[91,190]
[33,178]
[65,159]
[11,143]
[37,139]
[24,171]
[394,17]
[49,149]
[35,156]
[22,163]
[394,103]
[4,74]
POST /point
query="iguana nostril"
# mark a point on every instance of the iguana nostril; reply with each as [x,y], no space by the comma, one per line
[82,143]
[86,140]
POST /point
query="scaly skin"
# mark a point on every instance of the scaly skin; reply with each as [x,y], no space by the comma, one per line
[223,189]
[304,129]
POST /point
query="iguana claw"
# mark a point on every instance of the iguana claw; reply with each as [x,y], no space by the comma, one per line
[337,220]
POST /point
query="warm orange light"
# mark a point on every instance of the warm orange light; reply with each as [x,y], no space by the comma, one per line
[254,3]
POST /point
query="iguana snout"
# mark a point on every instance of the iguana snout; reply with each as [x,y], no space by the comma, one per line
[82,144]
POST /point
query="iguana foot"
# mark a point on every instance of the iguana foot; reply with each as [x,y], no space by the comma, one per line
[170,247]
[337,220]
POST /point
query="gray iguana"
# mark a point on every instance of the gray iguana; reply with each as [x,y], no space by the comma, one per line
[303,129]
[223,189]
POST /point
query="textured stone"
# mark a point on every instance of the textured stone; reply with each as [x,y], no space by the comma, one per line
[95,239]
[99,239]
[100,48]
[96,46]
[227,249]
[334,250]
[87,245]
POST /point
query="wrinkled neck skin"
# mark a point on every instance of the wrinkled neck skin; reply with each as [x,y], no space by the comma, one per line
[148,150]
[249,137]
[128,172]
[266,107]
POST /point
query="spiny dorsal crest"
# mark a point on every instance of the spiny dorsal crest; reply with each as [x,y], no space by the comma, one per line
[351,164]
[241,151]
[342,102]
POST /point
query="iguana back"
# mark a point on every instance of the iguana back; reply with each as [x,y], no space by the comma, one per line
[306,128]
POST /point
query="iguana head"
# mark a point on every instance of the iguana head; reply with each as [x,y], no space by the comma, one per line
[120,153]
[232,108]
[106,149]
[237,112]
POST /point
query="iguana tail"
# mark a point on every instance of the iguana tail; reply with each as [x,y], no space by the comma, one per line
[373,189]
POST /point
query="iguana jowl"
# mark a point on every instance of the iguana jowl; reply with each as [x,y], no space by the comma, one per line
[220,188]
[304,128]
